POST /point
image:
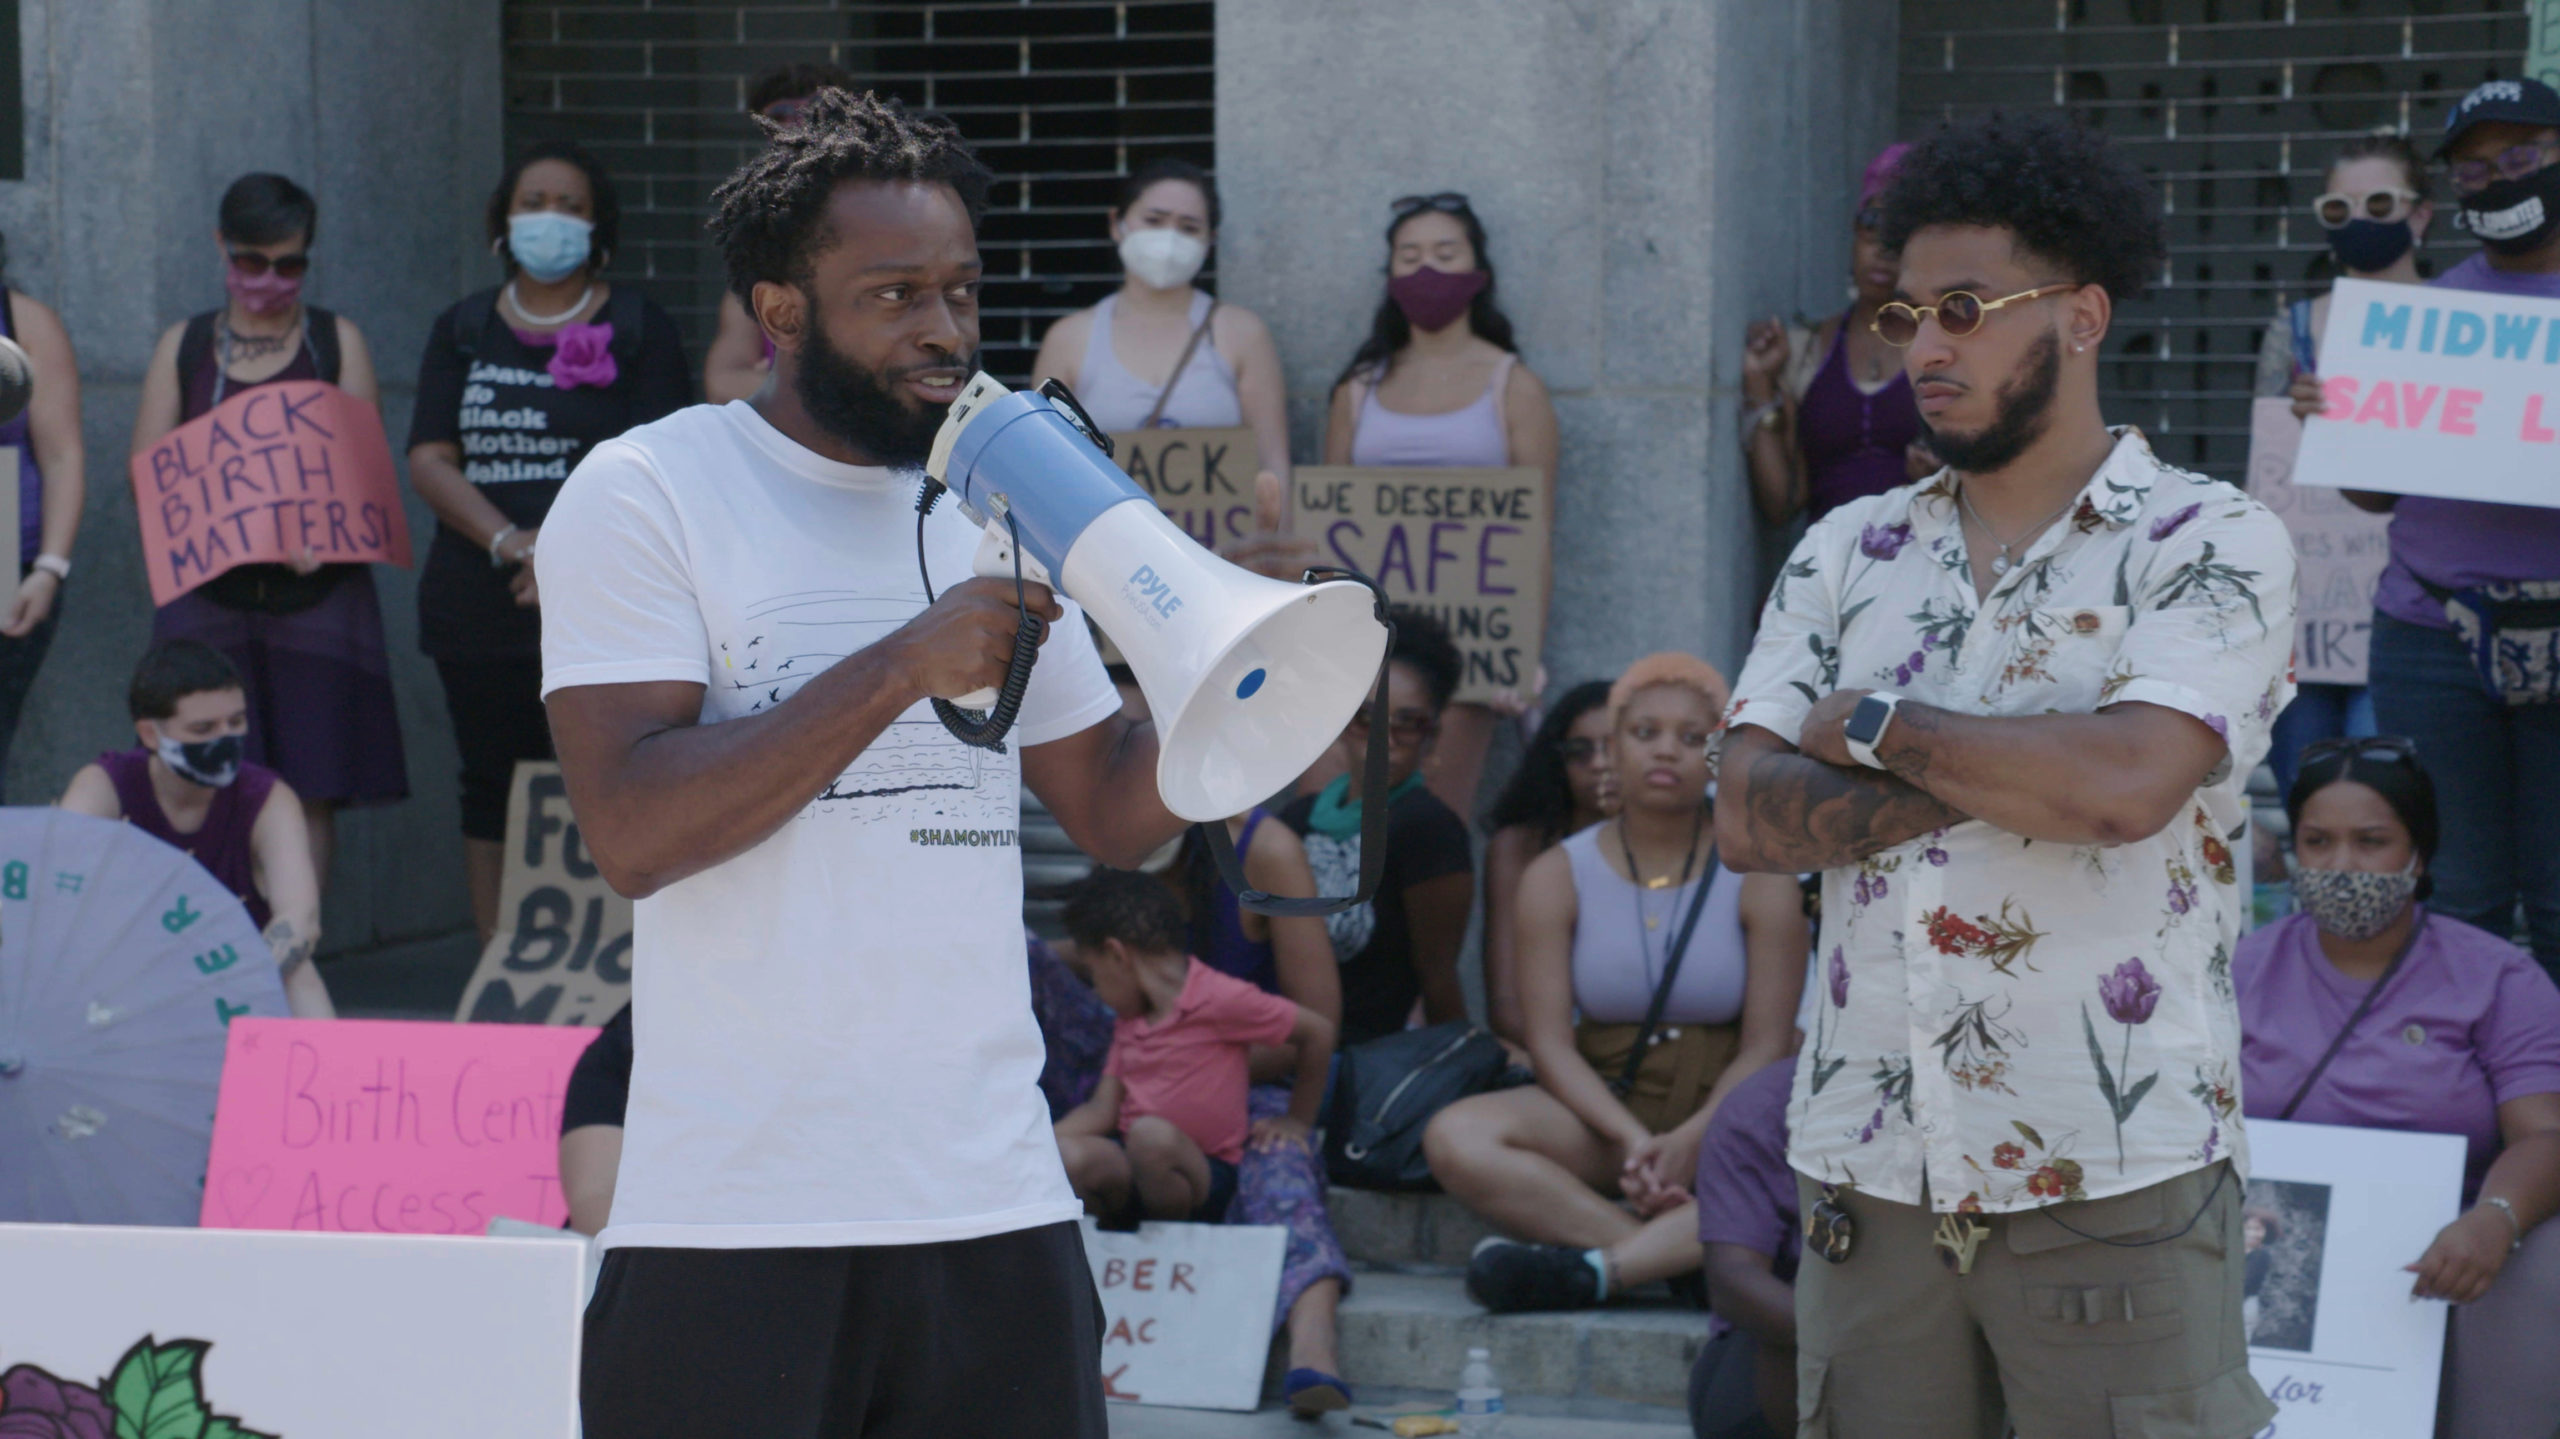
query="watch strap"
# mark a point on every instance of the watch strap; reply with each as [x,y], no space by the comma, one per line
[58,566]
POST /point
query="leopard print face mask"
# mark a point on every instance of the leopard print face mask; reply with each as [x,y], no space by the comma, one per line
[2354,903]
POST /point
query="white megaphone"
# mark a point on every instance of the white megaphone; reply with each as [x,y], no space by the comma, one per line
[1248,678]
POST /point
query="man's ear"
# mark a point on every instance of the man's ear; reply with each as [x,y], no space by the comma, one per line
[782,310]
[2087,317]
[148,733]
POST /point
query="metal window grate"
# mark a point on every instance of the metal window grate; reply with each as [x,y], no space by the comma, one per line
[1062,98]
[2234,108]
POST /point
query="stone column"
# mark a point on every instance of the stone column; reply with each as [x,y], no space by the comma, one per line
[138,114]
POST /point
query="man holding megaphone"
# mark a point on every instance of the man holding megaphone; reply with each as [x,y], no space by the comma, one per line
[840,1209]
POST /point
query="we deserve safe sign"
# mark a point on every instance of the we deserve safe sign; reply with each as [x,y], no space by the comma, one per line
[264,476]
[1186,1311]
[2453,394]
[1470,546]
[562,953]
[371,1126]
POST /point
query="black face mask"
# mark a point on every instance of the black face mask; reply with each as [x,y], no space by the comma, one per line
[212,763]
[2366,246]
[2515,217]
[858,406]
[2026,403]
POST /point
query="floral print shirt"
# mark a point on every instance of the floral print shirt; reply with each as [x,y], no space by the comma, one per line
[2004,1023]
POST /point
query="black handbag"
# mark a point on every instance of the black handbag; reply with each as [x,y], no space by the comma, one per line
[1386,1091]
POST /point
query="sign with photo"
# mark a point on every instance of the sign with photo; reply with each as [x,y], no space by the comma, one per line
[1186,1311]
[2339,551]
[562,953]
[1470,546]
[2452,394]
[2331,1218]
[389,1126]
[1201,479]
[228,1334]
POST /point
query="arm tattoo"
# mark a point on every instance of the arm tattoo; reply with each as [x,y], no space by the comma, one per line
[1812,815]
[292,949]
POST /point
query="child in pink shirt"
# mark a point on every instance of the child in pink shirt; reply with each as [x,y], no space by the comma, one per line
[1165,1127]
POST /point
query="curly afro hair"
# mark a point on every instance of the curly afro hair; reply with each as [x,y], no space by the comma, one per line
[2068,196]
[770,217]
[1423,643]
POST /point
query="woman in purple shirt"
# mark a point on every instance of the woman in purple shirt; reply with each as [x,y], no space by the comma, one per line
[2447,1030]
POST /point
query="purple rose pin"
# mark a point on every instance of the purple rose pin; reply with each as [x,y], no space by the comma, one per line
[1883,542]
[2130,993]
[584,356]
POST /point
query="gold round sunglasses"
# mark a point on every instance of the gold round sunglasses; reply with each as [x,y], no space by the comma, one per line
[1959,313]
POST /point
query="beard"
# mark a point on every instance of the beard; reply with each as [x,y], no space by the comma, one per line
[861,408]
[2024,408]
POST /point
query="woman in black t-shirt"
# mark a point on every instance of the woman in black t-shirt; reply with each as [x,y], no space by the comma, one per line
[305,636]
[1404,944]
[518,383]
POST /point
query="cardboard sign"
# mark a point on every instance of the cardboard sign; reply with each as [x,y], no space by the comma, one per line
[2340,551]
[1470,546]
[2449,393]
[262,477]
[562,953]
[2333,1336]
[1201,479]
[221,1334]
[1187,1311]
[389,1126]
[2542,51]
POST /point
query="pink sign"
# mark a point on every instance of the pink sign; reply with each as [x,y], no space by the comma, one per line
[389,1126]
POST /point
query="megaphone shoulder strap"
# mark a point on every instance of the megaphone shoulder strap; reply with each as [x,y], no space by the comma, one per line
[1373,825]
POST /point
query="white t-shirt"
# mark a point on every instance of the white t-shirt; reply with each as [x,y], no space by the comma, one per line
[832,1032]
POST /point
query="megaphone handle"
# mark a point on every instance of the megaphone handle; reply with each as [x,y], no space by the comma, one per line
[987,731]
[1373,826]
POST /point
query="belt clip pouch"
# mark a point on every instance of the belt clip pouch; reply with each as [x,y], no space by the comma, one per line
[2511,630]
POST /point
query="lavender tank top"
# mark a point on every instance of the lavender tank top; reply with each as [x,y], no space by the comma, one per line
[1471,438]
[1204,394]
[1617,961]
[30,479]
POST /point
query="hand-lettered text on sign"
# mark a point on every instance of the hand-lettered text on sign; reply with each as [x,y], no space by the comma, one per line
[390,1127]
[2339,551]
[1469,546]
[266,476]
[2452,394]
[1186,1311]
[1201,479]
[562,954]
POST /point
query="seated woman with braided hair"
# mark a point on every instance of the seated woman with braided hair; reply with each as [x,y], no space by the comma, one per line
[1606,933]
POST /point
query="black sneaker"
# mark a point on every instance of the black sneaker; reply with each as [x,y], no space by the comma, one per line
[1508,1277]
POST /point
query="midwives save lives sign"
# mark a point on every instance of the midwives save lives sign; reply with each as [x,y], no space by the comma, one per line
[268,476]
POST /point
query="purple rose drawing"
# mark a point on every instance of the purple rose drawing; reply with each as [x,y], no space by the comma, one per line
[2169,524]
[1839,979]
[35,1405]
[2130,993]
[584,356]
[1883,542]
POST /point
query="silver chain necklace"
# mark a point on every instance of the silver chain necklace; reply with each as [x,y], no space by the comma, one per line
[2000,563]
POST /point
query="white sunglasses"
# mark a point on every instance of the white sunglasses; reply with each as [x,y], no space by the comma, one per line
[2337,208]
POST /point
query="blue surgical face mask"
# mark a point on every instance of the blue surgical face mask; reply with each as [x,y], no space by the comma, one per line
[547,244]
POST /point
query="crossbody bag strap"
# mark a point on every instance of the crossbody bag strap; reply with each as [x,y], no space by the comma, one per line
[1625,1083]
[1165,397]
[2363,1007]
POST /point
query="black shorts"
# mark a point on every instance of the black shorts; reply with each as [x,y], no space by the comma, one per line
[496,708]
[1000,1336]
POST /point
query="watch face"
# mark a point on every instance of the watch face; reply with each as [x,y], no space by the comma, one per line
[1866,722]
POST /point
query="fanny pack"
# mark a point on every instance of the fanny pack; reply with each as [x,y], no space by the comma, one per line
[2512,630]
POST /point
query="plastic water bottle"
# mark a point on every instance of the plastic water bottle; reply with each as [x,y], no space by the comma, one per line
[1479,1397]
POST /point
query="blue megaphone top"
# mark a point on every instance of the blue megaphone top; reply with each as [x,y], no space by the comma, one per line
[1052,479]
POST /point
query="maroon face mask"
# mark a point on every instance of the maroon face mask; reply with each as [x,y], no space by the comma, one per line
[1433,299]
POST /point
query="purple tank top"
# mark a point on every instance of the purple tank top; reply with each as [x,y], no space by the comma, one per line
[1227,948]
[207,386]
[30,479]
[1470,438]
[1853,441]
[221,843]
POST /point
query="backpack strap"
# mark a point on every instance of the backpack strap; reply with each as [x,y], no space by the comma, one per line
[627,310]
[2305,356]
[320,332]
[471,317]
[195,347]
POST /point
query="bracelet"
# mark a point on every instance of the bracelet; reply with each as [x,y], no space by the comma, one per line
[2509,1210]
[497,560]
[58,566]
[1761,417]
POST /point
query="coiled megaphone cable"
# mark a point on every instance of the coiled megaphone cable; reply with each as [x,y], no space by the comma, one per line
[985,730]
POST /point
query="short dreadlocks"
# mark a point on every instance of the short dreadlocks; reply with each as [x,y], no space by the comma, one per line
[2066,194]
[770,217]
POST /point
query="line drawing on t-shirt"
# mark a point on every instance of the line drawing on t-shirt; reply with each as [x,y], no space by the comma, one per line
[915,770]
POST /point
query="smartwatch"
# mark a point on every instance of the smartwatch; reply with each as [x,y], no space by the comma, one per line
[1866,725]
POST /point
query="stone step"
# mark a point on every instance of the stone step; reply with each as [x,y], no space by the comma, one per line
[1528,1418]
[1412,1331]
[1404,1230]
